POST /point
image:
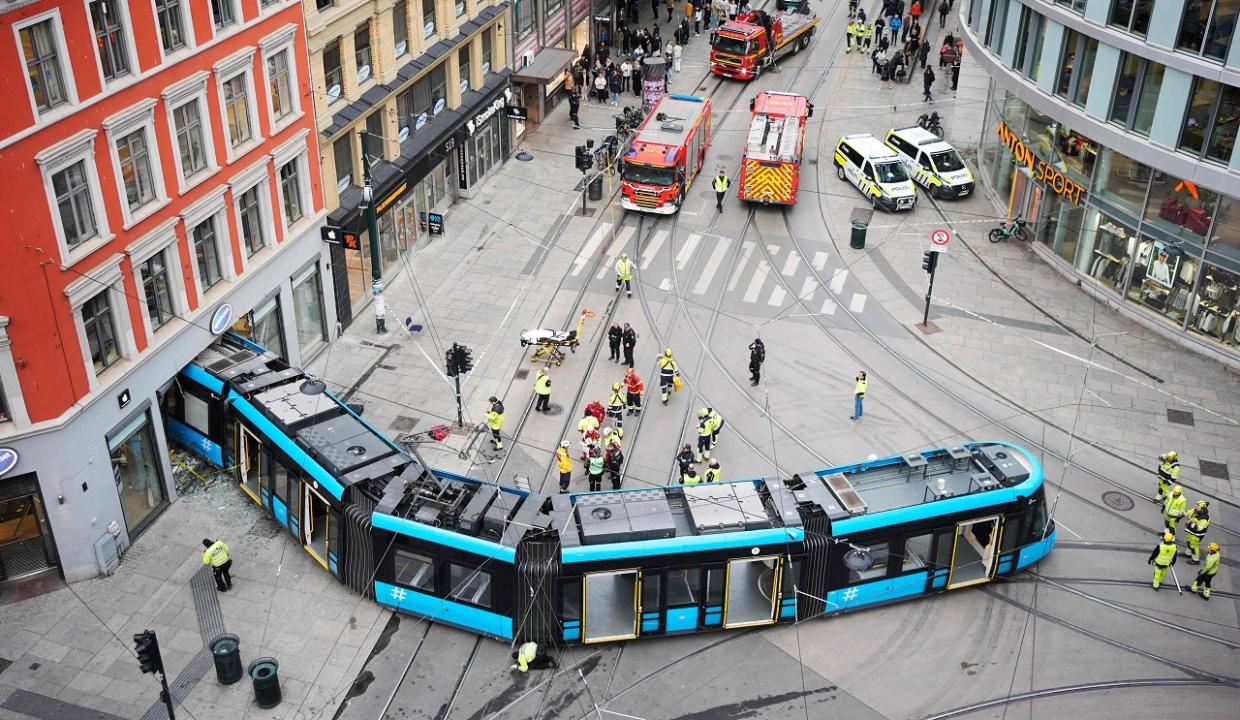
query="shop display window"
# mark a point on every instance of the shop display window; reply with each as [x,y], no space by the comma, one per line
[1060,229]
[1121,180]
[1180,208]
[137,471]
[1216,306]
[1163,276]
[1225,237]
[1107,247]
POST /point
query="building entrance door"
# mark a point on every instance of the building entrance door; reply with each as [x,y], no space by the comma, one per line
[26,546]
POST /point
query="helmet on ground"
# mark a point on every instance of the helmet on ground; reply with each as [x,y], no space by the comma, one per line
[1212,547]
[1177,490]
[1168,537]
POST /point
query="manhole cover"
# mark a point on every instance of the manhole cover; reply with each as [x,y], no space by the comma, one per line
[554,409]
[404,423]
[522,374]
[1117,501]
[1180,417]
[1214,469]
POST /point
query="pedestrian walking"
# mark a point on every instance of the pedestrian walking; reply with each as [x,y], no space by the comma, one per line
[708,11]
[905,26]
[923,52]
[626,74]
[698,14]
[216,555]
[614,337]
[1205,576]
[955,73]
[859,395]
[942,14]
[615,408]
[564,463]
[1168,473]
[495,421]
[703,436]
[669,371]
[927,80]
[713,471]
[654,9]
[670,5]
[633,388]
[613,86]
[914,11]
[574,106]
[1162,558]
[1198,523]
[1175,506]
[757,356]
[542,391]
[594,468]
[628,341]
[721,184]
[613,461]
[677,51]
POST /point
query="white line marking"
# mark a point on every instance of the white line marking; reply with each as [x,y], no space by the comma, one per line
[755,283]
[609,265]
[688,212]
[828,307]
[820,260]
[772,249]
[791,264]
[712,266]
[857,304]
[686,252]
[777,297]
[1065,527]
[1091,392]
[837,281]
[587,251]
[666,284]
[656,243]
[746,250]
[808,288]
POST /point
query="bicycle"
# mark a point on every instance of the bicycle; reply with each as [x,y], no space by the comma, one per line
[1014,227]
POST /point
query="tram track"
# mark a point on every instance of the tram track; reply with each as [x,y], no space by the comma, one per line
[1063,690]
[1106,581]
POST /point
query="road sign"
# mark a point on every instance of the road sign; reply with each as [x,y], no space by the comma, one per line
[939,239]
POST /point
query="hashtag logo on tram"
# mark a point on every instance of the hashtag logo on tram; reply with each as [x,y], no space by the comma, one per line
[851,594]
[399,594]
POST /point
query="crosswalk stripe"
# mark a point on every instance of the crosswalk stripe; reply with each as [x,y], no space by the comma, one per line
[828,307]
[777,296]
[712,266]
[808,288]
[857,304]
[820,261]
[755,283]
[791,264]
[837,281]
[772,249]
[666,284]
[652,249]
[613,252]
[746,250]
[686,252]
[587,251]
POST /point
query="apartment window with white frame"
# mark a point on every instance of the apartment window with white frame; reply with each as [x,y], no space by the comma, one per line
[157,290]
[42,49]
[171,19]
[192,142]
[279,75]
[75,204]
[237,110]
[249,211]
[223,13]
[74,195]
[207,254]
[135,156]
[290,192]
[235,79]
[97,321]
[137,177]
[111,42]
[278,50]
[400,27]
[187,123]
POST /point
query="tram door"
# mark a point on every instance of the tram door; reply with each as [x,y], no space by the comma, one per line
[249,463]
[611,606]
[974,552]
[315,525]
[751,596]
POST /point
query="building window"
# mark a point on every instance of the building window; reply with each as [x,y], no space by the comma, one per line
[308,308]
[1210,123]
[1147,97]
[1197,121]
[223,13]
[263,325]
[361,51]
[237,110]
[1222,28]
[462,61]
[1136,93]
[207,254]
[1084,76]
[100,332]
[996,24]
[156,289]
[43,65]
[5,415]
[324,4]
[486,52]
[290,192]
[1131,15]
[425,99]
[428,18]
[374,128]
[342,150]
[109,38]
[524,12]
[1223,133]
[1207,27]
[553,8]
[168,14]
[75,204]
[281,85]
[460,7]
[333,76]
[1125,88]
[251,225]
[1067,62]
[135,164]
[136,469]
[400,27]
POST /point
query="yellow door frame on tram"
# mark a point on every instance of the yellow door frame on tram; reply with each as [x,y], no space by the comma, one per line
[244,437]
[637,606]
[776,589]
[995,542]
[307,523]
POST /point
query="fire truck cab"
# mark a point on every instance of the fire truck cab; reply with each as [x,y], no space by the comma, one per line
[771,165]
[665,155]
[741,48]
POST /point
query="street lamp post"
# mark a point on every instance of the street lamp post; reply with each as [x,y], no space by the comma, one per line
[372,229]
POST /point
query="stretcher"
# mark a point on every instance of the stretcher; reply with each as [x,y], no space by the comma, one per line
[551,343]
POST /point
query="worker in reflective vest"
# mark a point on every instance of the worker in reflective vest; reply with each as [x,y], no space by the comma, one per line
[596,464]
[1162,558]
[704,434]
[615,408]
[1168,473]
[624,274]
[495,421]
[564,464]
[1198,523]
[530,655]
[859,394]
[1174,507]
[1208,570]
[217,556]
[690,477]
[721,184]
[542,391]
[712,471]
[668,370]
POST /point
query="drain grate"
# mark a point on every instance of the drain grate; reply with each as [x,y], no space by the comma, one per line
[1180,417]
[522,374]
[1118,501]
[554,409]
[1214,469]
[404,423]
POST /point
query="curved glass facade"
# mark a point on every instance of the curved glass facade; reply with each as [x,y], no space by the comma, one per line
[1123,161]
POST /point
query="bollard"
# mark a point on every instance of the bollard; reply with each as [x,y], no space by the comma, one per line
[225,649]
[265,674]
[858,235]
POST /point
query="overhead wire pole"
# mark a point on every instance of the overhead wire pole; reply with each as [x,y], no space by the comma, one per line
[372,229]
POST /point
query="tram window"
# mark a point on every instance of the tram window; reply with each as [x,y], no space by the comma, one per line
[570,601]
[469,585]
[916,552]
[714,586]
[1011,532]
[415,571]
[682,586]
[879,553]
[650,592]
[1037,516]
[197,413]
[945,539]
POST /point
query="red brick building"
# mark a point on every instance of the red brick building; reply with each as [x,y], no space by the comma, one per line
[161,185]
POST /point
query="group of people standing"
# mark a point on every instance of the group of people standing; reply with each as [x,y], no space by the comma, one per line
[897,44]
[1175,509]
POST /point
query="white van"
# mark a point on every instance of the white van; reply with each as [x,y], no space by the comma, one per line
[933,163]
[876,170]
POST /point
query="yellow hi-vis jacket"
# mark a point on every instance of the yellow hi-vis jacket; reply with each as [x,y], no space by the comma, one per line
[721,183]
[542,384]
[1164,554]
[495,416]
[862,386]
[1175,507]
[525,655]
[624,269]
[1210,565]
[563,462]
[216,555]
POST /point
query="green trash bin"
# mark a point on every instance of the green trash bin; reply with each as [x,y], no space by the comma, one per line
[227,653]
[858,235]
[596,187]
[265,674]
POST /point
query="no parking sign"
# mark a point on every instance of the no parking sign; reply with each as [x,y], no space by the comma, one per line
[939,240]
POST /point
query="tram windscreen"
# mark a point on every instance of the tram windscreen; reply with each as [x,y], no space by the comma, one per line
[649,174]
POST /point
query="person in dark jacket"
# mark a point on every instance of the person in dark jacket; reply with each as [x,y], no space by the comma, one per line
[629,341]
[684,459]
[955,73]
[757,354]
[574,106]
[927,80]
[923,52]
[614,335]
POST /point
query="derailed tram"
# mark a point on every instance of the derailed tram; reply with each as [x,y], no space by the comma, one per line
[603,566]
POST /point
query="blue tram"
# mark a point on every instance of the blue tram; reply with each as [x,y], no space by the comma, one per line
[603,566]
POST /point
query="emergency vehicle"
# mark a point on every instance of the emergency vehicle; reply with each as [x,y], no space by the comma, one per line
[771,164]
[875,170]
[741,48]
[666,153]
[932,162]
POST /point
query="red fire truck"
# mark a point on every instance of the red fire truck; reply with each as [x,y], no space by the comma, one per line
[771,165]
[741,48]
[665,155]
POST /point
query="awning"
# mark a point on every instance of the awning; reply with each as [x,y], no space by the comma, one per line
[546,66]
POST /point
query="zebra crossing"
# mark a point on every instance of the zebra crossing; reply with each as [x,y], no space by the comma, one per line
[755,280]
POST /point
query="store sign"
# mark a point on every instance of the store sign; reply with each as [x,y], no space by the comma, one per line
[461,180]
[487,112]
[435,223]
[8,460]
[1041,170]
[222,319]
[392,197]
[516,112]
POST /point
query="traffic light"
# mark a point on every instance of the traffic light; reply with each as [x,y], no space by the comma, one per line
[464,358]
[929,261]
[449,357]
[146,645]
[584,160]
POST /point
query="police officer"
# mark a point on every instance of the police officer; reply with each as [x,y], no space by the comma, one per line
[1174,507]
[495,421]
[712,471]
[1205,576]
[216,555]
[594,467]
[690,477]
[530,655]
[628,339]
[668,371]
[615,408]
[716,422]
[542,391]
[704,434]
[721,183]
[867,34]
[614,337]
[624,274]
[564,463]
[574,105]
[684,459]
[634,387]
[859,391]
[613,460]
[1168,473]
[1198,522]
[1162,558]
[757,355]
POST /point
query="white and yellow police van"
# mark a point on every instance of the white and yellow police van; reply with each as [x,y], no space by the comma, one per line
[876,170]
[933,163]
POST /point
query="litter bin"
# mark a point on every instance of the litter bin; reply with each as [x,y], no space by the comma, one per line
[265,674]
[226,651]
[858,234]
[596,187]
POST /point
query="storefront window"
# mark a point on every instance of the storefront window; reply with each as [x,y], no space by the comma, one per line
[1225,237]
[139,482]
[1216,306]
[1163,276]
[1106,250]
[1060,228]
[1042,132]
[358,269]
[308,308]
[1180,208]
[1121,180]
